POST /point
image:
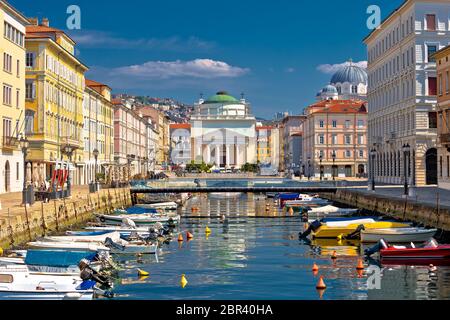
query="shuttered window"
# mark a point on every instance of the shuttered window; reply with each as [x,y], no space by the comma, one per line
[432,86]
[431,22]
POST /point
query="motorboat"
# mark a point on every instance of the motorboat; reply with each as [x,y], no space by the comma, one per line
[332,211]
[429,253]
[398,235]
[17,282]
[160,205]
[139,220]
[72,246]
[100,238]
[340,230]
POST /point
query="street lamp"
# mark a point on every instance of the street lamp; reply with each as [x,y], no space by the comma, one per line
[95,152]
[24,145]
[68,150]
[333,155]
[309,168]
[373,153]
[320,168]
[406,152]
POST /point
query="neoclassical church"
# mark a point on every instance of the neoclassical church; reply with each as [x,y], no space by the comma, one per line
[348,83]
[223,131]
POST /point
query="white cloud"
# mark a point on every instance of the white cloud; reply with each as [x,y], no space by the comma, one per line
[198,68]
[333,68]
[101,39]
[290,70]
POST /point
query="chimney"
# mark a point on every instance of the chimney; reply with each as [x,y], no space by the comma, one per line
[45,22]
[33,21]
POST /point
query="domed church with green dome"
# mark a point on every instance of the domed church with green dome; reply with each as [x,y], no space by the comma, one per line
[223,131]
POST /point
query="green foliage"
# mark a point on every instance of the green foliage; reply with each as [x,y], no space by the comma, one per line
[250,167]
[198,167]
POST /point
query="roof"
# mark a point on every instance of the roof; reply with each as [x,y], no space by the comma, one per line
[117,101]
[351,74]
[180,126]
[441,53]
[221,97]
[339,106]
[34,31]
[92,83]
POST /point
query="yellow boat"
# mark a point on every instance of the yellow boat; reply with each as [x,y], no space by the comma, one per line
[325,231]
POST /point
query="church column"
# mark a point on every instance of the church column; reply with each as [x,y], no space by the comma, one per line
[228,156]
[208,154]
[217,156]
[238,164]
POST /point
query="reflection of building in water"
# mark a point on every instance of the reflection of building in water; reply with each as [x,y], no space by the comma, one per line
[412,283]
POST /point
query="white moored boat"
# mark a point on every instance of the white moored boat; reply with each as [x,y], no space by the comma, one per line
[17,282]
[399,235]
[138,219]
[72,246]
[161,205]
[331,210]
[115,236]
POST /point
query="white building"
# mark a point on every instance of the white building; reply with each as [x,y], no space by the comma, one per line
[223,132]
[402,89]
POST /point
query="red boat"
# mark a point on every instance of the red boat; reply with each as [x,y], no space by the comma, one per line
[430,253]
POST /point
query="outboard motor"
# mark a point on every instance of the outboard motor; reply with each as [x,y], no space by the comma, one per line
[171,223]
[355,234]
[87,273]
[127,222]
[376,248]
[312,227]
[111,244]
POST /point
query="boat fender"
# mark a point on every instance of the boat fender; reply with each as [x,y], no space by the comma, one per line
[102,219]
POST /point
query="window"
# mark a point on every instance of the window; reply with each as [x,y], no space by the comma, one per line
[431,22]
[18,68]
[348,153]
[334,139]
[6,127]
[7,62]
[334,124]
[360,123]
[447,84]
[12,34]
[30,57]
[432,120]
[17,98]
[321,123]
[440,84]
[354,89]
[431,49]
[361,153]
[321,139]
[360,139]
[7,91]
[30,89]
[347,124]
[347,139]
[432,86]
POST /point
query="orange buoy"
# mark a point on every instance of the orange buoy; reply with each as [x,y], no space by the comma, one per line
[315,268]
[320,292]
[321,284]
[360,265]
[360,273]
[180,238]
[334,255]
[189,235]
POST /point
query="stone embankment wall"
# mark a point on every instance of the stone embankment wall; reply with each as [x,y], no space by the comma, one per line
[21,225]
[406,209]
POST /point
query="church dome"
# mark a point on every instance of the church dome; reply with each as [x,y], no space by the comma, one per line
[329,89]
[351,74]
[221,97]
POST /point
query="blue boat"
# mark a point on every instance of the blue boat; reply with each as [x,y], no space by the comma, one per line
[57,258]
[288,196]
[137,210]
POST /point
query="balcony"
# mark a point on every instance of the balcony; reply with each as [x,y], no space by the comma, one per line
[10,143]
[445,139]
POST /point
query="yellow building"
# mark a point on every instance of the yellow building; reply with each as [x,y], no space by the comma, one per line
[54,99]
[12,96]
[98,131]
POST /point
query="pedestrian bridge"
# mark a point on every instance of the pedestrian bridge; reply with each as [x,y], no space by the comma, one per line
[247,189]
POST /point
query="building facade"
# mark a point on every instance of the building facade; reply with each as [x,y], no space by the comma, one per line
[130,140]
[180,146]
[223,132]
[402,90]
[12,96]
[98,131]
[54,100]
[443,107]
[335,139]
[290,143]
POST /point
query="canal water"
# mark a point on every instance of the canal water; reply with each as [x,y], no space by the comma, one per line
[252,256]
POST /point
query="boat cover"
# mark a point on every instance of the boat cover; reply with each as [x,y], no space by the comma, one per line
[54,258]
[289,196]
[139,210]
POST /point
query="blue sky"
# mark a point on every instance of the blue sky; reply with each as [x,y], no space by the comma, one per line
[273,51]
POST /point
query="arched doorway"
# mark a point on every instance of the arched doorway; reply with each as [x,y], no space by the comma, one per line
[431,166]
[361,170]
[7,177]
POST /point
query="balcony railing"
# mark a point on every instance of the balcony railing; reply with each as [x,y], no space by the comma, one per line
[445,139]
[10,142]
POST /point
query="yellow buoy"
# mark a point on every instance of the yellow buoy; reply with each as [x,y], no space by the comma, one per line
[143,273]
[183,281]
[1,252]
[207,230]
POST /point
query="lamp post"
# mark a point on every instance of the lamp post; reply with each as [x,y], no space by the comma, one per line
[412,185]
[320,168]
[24,145]
[373,153]
[333,155]
[406,152]
[309,168]
[68,151]
[95,152]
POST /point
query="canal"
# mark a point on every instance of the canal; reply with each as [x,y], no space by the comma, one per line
[251,256]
